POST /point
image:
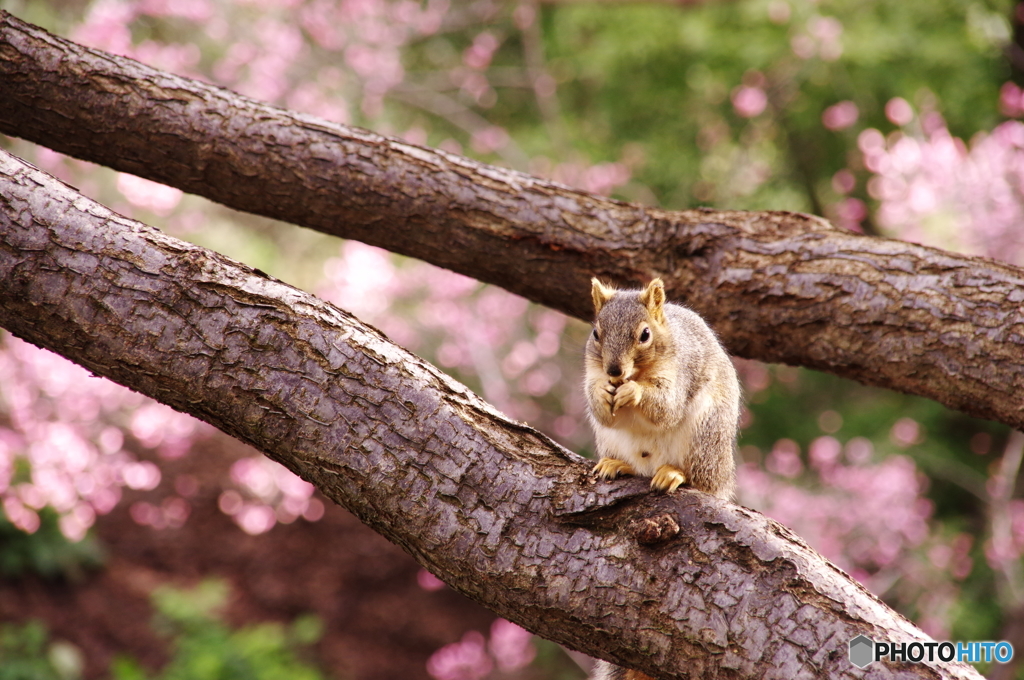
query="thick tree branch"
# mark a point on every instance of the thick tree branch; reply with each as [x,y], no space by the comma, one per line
[777,286]
[680,586]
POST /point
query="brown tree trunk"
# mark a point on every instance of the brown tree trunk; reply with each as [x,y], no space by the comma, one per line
[777,286]
[678,586]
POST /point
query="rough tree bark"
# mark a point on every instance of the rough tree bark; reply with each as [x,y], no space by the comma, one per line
[777,286]
[679,586]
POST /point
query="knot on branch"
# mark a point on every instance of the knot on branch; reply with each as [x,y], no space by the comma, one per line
[655,529]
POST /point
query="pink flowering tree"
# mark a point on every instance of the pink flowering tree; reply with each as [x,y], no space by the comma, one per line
[474,657]
[927,185]
[753,104]
[70,442]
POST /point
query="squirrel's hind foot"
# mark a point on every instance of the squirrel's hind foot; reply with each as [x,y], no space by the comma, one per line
[610,468]
[668,478]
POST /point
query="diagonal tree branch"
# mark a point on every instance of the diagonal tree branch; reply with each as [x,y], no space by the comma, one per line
[679,586]
[777,286]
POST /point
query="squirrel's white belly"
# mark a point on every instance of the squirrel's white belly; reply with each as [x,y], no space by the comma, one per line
[643,446]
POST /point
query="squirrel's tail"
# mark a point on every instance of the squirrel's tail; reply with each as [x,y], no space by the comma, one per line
[606,671]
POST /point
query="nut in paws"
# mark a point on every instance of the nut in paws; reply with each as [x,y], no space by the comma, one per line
[627,394]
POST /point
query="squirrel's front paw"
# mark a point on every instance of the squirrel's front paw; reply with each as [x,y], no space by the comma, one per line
[627,394]
[668,478]
[606,402]
[610,468]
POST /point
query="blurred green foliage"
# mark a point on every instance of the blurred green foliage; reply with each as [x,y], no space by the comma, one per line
[46,552]
[553,663]
[660,77]
[205,648]
[27,653]
[802,405]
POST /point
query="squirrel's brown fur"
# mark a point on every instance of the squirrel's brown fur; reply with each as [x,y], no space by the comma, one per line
[663,399]
[663,395]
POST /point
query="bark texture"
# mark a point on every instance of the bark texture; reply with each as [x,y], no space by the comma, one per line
[679,586]
[780,287]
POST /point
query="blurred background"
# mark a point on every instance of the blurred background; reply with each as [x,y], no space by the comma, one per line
[136,542]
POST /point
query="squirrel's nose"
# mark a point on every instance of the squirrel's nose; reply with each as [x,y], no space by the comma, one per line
[615,370]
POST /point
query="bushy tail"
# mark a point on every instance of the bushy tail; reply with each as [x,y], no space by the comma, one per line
[606,671]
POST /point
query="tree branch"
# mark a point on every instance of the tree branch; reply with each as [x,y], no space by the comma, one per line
[777,286]
[678,586]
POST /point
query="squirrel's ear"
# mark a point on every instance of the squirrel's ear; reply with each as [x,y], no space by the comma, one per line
[601,294]
[653,297]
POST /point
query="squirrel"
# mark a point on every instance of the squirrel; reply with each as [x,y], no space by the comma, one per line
[663,399]
[662,394]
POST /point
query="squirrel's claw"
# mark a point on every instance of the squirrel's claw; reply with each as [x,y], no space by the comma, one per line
[668,478]
[610,468]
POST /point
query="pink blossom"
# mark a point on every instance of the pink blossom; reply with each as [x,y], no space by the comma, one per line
[20,516]
[905,432]
[256,519]
[869,518]
[749,101]
[539,382]
[849,213]
[463,660]
[478,55]
[779,11]
[193,10]
[489,139]
[429,21]
[822,39]
[171,514]
[523,355]
[921,181]
[824,452]
[602,178]
[428,581]
[314,510]
[784,458]
[267,493]
[176,58]
[510,645]
[1011,100]
[473,658]
[840,116]
[871,143]
[319,21]
[310,98]
[598,179]
[141,475]
[68,426]
[899,111]
[803,46]
[160,427]
[843,182]
[230,502]
[362,280]
[827,31]
[524,16]
[106,27]
[494,340]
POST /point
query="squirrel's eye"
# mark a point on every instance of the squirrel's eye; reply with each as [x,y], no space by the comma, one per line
[645,335]
[596,337]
